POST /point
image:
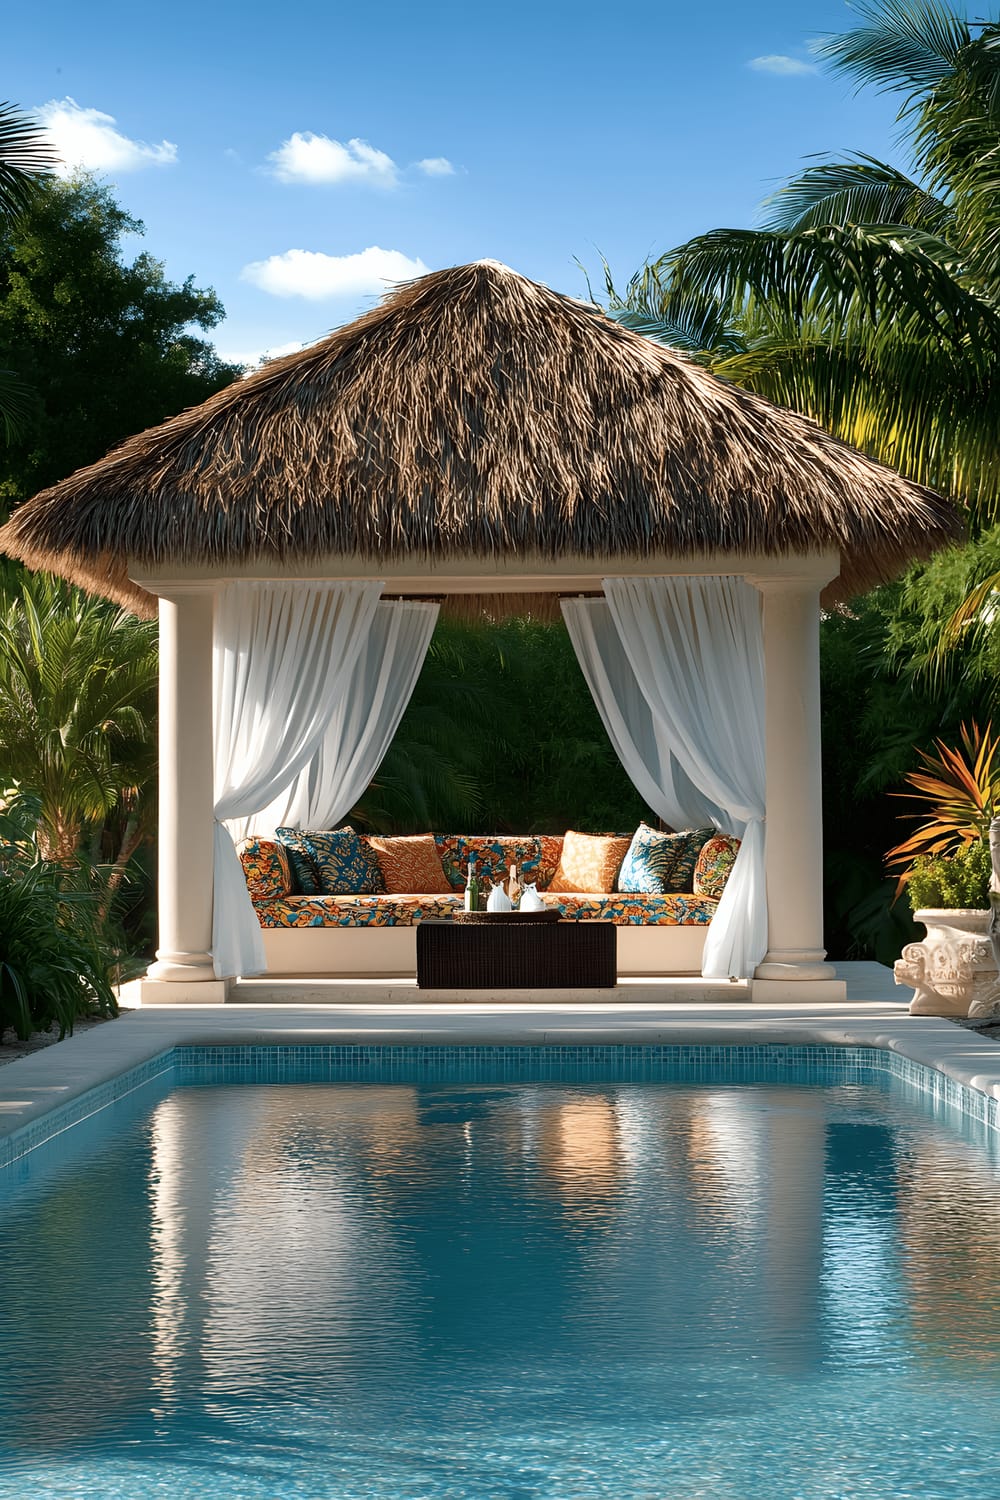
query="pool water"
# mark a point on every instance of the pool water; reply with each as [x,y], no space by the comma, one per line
[414,1289]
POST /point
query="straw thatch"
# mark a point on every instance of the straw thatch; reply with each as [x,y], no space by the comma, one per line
[476,413]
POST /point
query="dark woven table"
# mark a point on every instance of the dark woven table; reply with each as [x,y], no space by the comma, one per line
[516,953]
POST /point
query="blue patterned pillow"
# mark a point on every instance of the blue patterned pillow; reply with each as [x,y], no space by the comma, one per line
[305,875]
[336,861]
[649,865]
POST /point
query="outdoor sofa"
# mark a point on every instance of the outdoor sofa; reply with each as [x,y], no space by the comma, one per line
[354,930]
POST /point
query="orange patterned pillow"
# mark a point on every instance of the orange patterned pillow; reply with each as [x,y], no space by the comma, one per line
[589,862]
[411,866]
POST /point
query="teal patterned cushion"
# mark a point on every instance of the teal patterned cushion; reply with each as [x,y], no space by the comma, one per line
[661,864]
[650,862]
[305,875]
[333,862]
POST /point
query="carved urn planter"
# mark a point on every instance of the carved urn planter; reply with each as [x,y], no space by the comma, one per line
[953,969]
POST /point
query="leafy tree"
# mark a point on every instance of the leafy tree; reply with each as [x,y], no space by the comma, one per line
[103,343]
[882,710]
[870,298]
[78,684]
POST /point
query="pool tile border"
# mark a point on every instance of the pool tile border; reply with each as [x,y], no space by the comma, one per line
[436,1062]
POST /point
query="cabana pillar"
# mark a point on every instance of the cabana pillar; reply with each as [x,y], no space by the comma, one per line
[183,970]
[794,825]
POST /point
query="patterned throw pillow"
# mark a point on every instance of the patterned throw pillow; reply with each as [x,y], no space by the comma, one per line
[651,861]
[715,865]
[334,862]
[410,866]
[305,875]
[682,878]
[661,864]
[266,869]
[548,862]
[535,855]
[589,862]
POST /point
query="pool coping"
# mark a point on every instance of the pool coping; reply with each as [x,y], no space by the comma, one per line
[46,1081]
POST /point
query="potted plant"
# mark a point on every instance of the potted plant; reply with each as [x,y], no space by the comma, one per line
[947,873]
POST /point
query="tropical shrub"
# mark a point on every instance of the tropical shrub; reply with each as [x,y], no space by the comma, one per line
[961,881]
[78,686]
[54,966]
[959,790]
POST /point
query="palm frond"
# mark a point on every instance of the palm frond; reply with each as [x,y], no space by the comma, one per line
[859,190]
[27,156]
[909,46]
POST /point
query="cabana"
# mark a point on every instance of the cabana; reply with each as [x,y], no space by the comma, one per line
[481,438]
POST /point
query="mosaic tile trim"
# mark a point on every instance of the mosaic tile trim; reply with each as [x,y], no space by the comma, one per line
[36,1132]
[597,1062]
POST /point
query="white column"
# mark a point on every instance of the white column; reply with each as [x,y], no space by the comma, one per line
[794,826]
[186,826]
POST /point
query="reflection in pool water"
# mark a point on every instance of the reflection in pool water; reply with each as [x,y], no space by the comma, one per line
[525,1290]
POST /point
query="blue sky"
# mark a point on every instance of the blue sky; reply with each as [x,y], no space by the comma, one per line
[267,150]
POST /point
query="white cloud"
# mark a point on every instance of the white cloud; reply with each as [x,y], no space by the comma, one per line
[436,166]
[306,157]
[88,138]
[784,67]
[251,358]
[310,273]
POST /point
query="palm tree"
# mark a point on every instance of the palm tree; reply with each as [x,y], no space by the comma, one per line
[26,160]
[77,698]
[870,297]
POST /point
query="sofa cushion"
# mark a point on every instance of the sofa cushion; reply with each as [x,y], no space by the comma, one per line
[407,911]
[682,879]
[331,862]
[589,862]
[411,865]
[305,875]
[266,869]
[355,911]
[536,856]
[715,864]
[651,860]
[636,909]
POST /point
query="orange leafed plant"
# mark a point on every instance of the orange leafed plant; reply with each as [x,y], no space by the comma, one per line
[959,793]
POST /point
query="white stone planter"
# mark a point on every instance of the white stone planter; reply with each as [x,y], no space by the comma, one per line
[953,969]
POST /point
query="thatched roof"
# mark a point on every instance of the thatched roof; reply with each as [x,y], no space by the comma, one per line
[476,413]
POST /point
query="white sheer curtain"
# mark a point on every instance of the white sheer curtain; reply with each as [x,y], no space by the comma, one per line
[638,738]
[364,721]
[696,647]
[283,657]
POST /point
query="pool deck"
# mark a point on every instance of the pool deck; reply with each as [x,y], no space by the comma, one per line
[874,1015]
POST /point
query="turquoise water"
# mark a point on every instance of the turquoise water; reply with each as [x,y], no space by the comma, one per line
[400,1287]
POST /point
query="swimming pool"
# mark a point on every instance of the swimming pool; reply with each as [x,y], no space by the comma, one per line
[653,1273]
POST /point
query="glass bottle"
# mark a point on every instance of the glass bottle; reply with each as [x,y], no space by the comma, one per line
[472,886]
[514,888]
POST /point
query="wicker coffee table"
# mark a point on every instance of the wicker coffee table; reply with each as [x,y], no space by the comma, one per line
[514,952]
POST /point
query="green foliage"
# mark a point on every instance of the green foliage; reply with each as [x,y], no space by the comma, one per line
[104,344]
[78,686]
[26,157]
[870,300]
[956,882]
[53,960]
[958,789]
[501,735]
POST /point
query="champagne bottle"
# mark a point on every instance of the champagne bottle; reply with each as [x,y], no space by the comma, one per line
[472,887]
[514,888]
